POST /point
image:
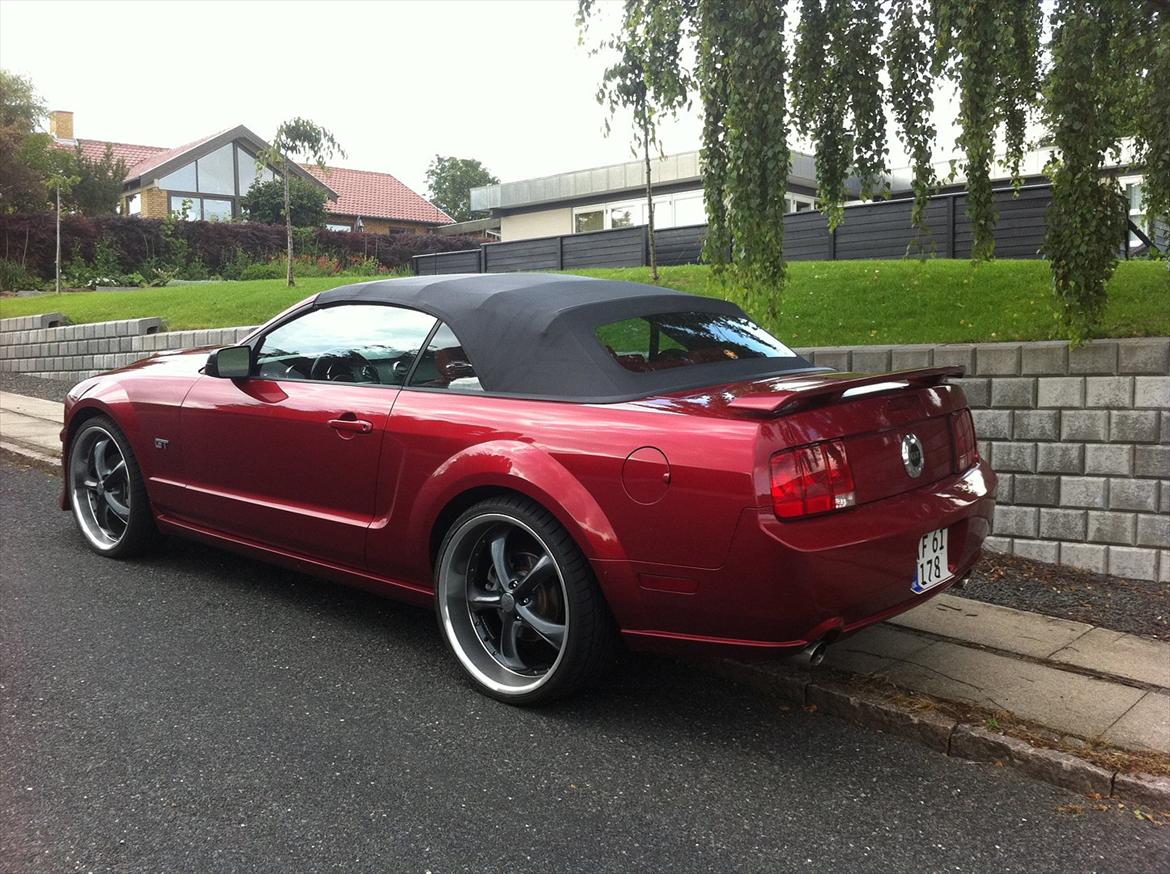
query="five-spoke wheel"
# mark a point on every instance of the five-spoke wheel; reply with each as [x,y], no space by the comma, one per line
[106,490]
[515,598]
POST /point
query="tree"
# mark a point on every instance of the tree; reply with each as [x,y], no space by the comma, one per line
[647,79]
[25,153]
[99,183]
[297,138]
[264,202]
[1109,77]
[449,184]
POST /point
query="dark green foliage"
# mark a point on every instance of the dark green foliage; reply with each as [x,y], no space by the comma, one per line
[264,202]
[98,185]
[450,181]
[908,57]
[26,155]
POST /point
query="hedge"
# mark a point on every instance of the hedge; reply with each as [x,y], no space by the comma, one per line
[30,240]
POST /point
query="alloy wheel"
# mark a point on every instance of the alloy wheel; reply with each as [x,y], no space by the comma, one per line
[503,603]
[100,488]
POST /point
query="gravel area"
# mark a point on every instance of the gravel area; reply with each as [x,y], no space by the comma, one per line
[1132,606]
[34,386]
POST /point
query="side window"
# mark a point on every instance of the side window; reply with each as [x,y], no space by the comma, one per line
[362,343]
[444,364]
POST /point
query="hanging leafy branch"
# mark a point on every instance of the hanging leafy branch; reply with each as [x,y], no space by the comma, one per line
[715,45]
[1150,107]
[908,58]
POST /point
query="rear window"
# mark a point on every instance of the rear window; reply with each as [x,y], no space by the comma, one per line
[659,342]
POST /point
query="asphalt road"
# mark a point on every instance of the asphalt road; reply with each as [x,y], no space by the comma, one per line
[199,712]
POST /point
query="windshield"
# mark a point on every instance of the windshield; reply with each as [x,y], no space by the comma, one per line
[658,342]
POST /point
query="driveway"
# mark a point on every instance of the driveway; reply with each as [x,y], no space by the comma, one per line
[200,712]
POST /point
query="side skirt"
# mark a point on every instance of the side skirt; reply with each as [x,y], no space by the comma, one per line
[411,593]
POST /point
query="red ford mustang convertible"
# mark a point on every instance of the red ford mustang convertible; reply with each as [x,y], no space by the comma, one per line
[555,463]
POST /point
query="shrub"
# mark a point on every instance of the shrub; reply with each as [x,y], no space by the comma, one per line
[220,248]
[13,277]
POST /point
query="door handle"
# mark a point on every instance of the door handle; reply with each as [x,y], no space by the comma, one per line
[356,426]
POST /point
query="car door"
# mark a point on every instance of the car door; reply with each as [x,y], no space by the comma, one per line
[290,457]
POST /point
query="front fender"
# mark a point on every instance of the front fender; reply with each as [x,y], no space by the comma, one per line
[523,468]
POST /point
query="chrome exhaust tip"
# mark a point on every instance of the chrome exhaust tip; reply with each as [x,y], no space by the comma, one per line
[811,656]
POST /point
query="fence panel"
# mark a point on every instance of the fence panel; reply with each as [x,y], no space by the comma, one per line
[623,247]
[539,254]
[680,245]
[466,261]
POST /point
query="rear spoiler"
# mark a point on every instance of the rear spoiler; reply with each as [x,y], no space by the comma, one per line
[800,394]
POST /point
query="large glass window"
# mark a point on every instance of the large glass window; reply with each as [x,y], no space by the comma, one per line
[445,365]
[659,342]
[217,172]
[185,207]
[216,210]
[250,170]
[182,179]
[358,343]
[689,211]
[134,204]
[625,215]
[590,220]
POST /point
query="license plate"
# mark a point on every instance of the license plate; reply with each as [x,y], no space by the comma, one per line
[931,561]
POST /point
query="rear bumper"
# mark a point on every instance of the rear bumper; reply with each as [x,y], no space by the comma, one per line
[788,584]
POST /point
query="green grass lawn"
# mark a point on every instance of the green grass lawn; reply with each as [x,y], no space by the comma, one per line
[825,302]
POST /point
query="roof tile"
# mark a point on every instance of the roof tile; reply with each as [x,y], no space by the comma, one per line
[376,195]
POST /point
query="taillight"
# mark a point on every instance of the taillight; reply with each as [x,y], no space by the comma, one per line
[966,450]
[812,479]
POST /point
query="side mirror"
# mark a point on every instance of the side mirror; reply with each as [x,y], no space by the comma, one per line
[234,362]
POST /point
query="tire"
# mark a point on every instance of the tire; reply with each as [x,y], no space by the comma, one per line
[546,631]
[107,492]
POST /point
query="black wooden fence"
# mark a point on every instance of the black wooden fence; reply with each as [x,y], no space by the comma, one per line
[880,229]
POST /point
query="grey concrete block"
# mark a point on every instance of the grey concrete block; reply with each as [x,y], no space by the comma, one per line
[1153,531]
[993,424]
[955,354]
[1083,491]
[834,358]
[1112,392]
[876,360]
[1133,426]
[1109,458]
[1086,556]
[1084,425]
[1014,457]
[1152,391]
[1047,358]
[1111,527]
[1164,500]
[1009,391]
[1016,521]
[998,544]
[998,359]
[1153,461]
[1164,428]
[1037,550]
[1006,488]
[1036,491]
[1036,424]
[1063,392]
[1062,524]
[909,357]
[978,391]
[1097,356]
[1133,494]
[1133,562]
[1145,355]
[1060,458]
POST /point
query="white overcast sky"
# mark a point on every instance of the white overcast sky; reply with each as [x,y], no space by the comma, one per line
[504,81]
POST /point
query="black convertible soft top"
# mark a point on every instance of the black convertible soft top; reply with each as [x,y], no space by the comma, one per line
[533,334]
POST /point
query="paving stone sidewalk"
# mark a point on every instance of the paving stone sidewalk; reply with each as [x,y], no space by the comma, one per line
[1070,677]
[31,427]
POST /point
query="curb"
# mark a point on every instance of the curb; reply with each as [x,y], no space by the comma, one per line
[947,735]
[30,456]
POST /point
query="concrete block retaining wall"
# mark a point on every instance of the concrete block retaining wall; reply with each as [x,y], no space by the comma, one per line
[73,352]
[1079,437]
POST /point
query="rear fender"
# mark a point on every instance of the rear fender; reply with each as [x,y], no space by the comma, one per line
[523,468]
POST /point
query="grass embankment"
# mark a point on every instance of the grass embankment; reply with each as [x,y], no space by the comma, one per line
[825,302]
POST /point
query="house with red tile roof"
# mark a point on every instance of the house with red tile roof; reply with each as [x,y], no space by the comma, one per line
[205,179]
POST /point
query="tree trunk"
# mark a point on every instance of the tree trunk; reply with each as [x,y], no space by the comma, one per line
[58,239]
[288,228]
[649,201]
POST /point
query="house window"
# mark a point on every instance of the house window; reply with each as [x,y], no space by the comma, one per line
[215,210]
[335,227]
[134,204]
[1135,209]
[689,210]
[625,215]
[182,179]
[217,172]
[193,209]
[186,208]
[250,171]
[592,219]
